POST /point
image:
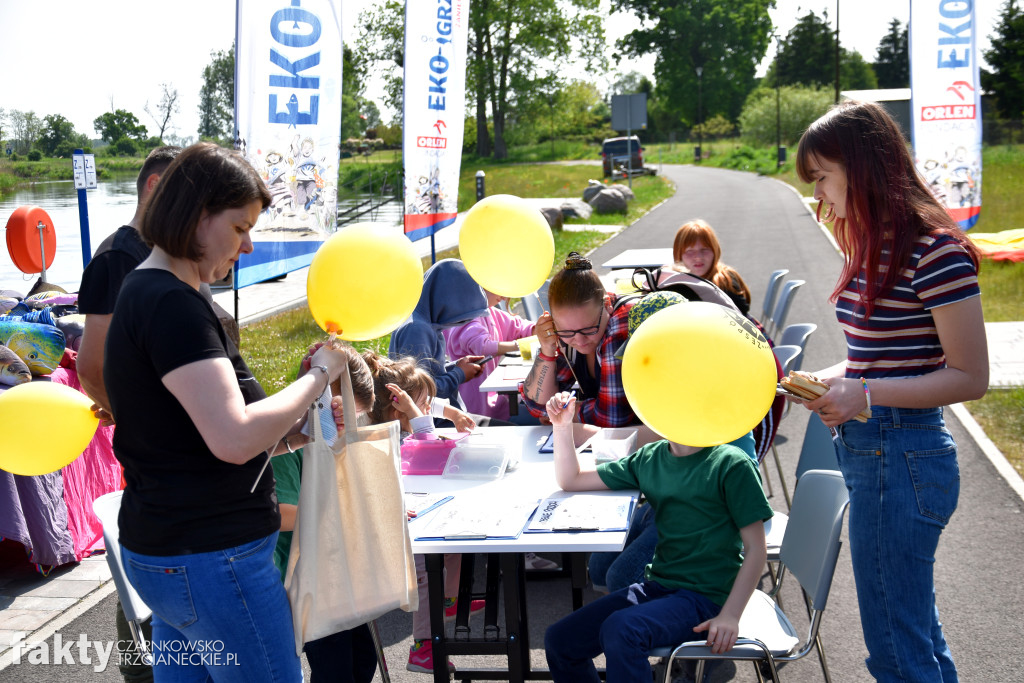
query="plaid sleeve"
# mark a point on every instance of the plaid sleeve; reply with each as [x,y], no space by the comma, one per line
[564,378]
[610,408]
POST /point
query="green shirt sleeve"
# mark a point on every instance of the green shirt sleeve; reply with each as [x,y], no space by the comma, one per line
[287,476]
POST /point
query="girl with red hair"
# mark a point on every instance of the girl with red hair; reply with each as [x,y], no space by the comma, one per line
[909,304]
[697,250]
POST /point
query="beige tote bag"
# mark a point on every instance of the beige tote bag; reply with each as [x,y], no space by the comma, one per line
[351,556]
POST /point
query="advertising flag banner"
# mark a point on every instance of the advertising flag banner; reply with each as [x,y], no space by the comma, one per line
[946,103]
[288,61]
[435,84]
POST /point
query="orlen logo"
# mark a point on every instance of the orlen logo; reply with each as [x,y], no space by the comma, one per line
[947,112]
[431,143]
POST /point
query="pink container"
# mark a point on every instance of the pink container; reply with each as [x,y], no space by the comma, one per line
[427,456]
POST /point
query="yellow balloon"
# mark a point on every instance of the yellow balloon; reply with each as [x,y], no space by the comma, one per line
[46,426]
[364,281]
[699,374]
[506,245]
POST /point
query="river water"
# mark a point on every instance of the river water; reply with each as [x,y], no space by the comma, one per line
[111,205]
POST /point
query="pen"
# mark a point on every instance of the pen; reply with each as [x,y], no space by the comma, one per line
[574,528]
[571,395]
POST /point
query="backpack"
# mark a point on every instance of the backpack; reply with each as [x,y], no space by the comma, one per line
[695,288]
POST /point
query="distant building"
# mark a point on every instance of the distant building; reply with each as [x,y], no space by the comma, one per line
[896,101]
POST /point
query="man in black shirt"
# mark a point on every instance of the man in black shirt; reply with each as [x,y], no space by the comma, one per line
[116,256]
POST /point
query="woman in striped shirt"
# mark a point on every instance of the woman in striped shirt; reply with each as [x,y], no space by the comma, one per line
[909,304]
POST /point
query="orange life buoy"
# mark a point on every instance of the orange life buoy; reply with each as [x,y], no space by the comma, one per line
[23,239]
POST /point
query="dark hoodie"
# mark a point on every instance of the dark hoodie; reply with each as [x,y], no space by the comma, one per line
[450,298]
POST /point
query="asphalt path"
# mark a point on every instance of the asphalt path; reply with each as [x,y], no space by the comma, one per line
[763,225]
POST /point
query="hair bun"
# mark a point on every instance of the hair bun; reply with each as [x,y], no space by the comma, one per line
[576,261]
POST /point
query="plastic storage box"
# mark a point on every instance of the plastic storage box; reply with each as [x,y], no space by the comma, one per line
[471,460]
[612,443]
[427,456]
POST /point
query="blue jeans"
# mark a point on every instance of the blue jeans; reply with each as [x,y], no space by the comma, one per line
[617,570]
[901,469]
[218,616]
[625,625]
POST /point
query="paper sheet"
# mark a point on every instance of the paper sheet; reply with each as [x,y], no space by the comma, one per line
[582,512]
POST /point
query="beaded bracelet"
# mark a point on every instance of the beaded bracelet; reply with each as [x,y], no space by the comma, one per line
[867,392]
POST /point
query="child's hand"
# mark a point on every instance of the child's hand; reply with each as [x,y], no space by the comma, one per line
[462,421]
[339,414]
[722,633]
[307,359]
[561,408]
[469,366]
[402,402]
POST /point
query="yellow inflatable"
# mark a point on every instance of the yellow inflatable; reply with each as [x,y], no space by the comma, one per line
[31,443]
[699,374]
[506,245]
[364,281]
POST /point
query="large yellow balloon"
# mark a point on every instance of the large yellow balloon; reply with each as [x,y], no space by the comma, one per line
[364,281]
[699,374]
[506,245]
[46,426]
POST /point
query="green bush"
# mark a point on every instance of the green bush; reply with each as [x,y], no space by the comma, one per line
[125,147]
[35,155]
[799,106]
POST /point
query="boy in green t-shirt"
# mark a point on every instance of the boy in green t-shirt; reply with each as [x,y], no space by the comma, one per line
[709,506]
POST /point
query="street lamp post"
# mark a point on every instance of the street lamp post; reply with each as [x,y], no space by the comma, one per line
[780,157]
[700,128]
[837,51]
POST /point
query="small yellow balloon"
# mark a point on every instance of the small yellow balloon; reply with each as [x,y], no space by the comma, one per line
[364,281]
[46,426]
[699,374]
[506,245]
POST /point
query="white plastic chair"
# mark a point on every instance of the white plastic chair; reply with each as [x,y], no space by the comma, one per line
[135,610]
[532,308]
[797,334]
[774,280]
[782,307]
[810,551]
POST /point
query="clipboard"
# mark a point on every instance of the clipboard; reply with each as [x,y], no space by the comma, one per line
[583,513]
[549,444]
[475,520]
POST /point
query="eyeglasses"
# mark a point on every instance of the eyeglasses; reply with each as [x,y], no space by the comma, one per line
[584,331]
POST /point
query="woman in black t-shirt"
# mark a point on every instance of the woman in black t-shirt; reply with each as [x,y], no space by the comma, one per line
[198,522]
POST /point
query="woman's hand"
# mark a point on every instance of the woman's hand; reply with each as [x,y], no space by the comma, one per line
[844,399]
[403,401]
[334,358]
[561,408]
[469,366]
[545,331]
[104,416]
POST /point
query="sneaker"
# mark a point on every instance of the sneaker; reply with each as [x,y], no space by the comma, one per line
[421,658]
[451,607]
[536,562]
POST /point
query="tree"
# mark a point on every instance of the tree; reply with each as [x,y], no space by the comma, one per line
[799,107]
[57,133]
[892,64]
[510,44]
[112,126]
[726,39]
[217,97]
[167,107]
[1006,57]
[25,129]
[807,56]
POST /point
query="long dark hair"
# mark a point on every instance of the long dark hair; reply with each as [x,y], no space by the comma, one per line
[888,205]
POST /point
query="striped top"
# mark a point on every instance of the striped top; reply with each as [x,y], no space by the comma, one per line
[900,339]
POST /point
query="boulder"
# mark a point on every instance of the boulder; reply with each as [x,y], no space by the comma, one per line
[553,216]
[624,190]
[576,208]
[609,201]
[592,189]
